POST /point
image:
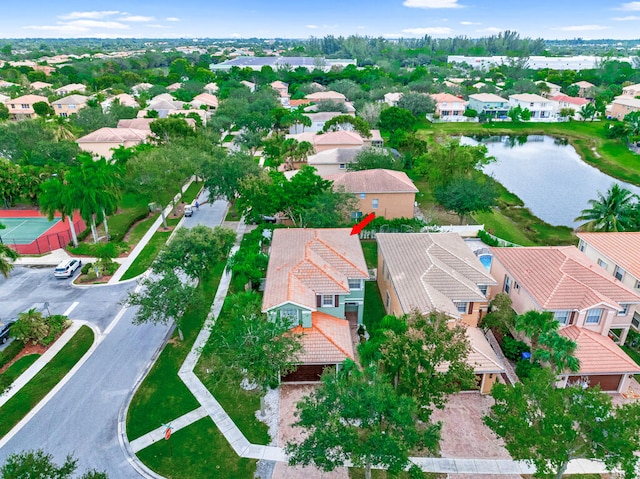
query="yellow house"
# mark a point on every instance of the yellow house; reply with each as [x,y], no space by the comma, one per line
[22,106]
[101,142]
[428,272]
[69,105]
[386,193]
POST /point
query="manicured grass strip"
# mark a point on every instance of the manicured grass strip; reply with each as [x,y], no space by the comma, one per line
[10,352]
[190,195]
[373,306]
[633,354]
[162,396]
[199,451]
[150,251]
[499,225]
[140,229]
[21,365]
[32,393]
[370,250]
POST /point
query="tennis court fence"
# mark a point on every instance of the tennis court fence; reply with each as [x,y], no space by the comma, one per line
[46,242]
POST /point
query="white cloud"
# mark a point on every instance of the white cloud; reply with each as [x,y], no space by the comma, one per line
[626,19]
[155,25]
[99,24]
[312,26]
[62,28]
[136,18]
[632,6]
[172,19]
[490,30]
[429,31]
[79,26]
[91,14]
[581,28]
[470,23]
[432,4]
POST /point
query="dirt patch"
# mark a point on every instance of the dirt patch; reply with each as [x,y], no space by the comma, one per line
[26,350]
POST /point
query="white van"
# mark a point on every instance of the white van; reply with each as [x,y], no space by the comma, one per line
[67,268]
[188,210]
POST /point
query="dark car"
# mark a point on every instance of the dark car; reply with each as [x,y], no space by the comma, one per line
[5,329]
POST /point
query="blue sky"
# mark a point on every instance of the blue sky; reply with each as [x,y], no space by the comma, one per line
[552,19]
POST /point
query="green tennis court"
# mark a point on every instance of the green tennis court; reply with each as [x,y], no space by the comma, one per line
[24,230]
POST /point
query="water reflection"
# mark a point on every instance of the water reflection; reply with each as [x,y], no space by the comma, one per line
[547,174]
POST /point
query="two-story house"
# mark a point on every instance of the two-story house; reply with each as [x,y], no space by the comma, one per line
[449,107]
[585,89]
[493,106]
[21,107]
[619,255]
[71,88]
[542,109]
[631,90]
[315,278]
[587,301]
[623,105]
[428,272]
[69,105]
[566,102]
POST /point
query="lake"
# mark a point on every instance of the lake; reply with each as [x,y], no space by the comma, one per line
[549,176]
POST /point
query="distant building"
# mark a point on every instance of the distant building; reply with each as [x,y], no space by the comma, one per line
[256,63]
[579,62]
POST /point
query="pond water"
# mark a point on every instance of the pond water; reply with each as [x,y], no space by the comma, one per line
[547,174]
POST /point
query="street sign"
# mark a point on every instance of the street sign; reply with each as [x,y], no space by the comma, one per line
[167,434]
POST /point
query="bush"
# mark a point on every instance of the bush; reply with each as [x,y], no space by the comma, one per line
[85,268]
[513,348]
[56,323]
[524,368]
[487,239]
[118,232]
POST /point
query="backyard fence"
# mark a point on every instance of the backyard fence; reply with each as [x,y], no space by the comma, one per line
[46,242]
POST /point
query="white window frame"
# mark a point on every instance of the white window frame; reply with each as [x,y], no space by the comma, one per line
[507,284]
[625,309]
[290,313]
[342,166]
[330,303]
[374,203]
[462,306]
[618,271]
[355,288]
[483,288]
[363,196]
[591,313]
[565,314]
[602,264]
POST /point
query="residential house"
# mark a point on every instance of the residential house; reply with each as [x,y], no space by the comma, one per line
[333,161]
[140,87]
[22,106]
[174,86]
[211,88]
[250,85]
[393,98]
[338,139]
[7,84]
[619,255]
[205,99]
[347,108]
[631,90]
[387,193]
[4,98]
[585,89]
[449,107]
[71,88]
[493,106]
[69,105]
[623,105]
[317,122]
[542,109]
[570,102]
[553,88]
[101,142]
[281,87]
[40,85]
[427,272]
[581,295]
[315,278]
[333,96]
[123,98]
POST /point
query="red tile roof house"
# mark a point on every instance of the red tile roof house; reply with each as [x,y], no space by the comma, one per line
[439,272]
[22,106]
[386,193]
[586,300]
[449,107]
[619,255]
[316,277]
[574,103]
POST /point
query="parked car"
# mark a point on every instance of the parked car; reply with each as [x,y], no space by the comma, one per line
[67,268]
[188,210]
[5,329]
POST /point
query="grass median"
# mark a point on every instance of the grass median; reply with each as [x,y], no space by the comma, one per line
[42,383]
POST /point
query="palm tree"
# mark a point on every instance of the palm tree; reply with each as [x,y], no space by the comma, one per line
[612,212]
[55,196]
[7,257]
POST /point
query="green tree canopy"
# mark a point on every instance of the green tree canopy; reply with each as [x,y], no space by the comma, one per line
[395,118]
[466,195]
[370,158]
[613,211]
[37,464]
[339,123]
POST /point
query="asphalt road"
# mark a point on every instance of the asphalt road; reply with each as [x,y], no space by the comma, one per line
[81,418]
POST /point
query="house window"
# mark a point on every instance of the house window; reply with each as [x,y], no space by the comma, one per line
[25,106]
[483,289]
[561,316]
[637,284]
[516,286]
[593,316]
[355,284]
[507,284]
[462,307]
[363,196]
[581,246]
[602,263]
[356,215]
[342,166]
[59,106]
[388,301]
[289,313]
[635,321]
[327,300]
[624,311]
[618,272]
[63,115]
[374,203]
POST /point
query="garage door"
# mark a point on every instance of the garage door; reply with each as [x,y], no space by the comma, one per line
[607,382]
[306,373]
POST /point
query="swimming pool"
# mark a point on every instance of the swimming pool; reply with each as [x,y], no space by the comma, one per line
[485,259]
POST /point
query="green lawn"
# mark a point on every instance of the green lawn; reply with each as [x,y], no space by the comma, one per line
[21,365]
[10,352]
[150,251]
[198,451]
[370,250]
[140,229]
[633,354]
[191,193]
[32,393]
[373,306]
[162,396]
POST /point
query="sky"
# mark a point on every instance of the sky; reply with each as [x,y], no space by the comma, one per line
[549,19]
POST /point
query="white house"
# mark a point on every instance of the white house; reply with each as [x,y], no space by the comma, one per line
[542,109]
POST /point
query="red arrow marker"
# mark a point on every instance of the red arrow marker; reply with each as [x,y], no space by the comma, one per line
[360,226]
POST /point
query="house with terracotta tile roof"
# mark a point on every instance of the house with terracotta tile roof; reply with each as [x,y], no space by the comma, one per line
[123,98]
[22,107]
[69,105]
[174,86]
[315,278]
[623,105]
[585,89]
[553,88]
[392,98]
[333,161]
[631,90]
[570,102]
[333,96]
[567,283]
[428,272]
[317,122]
[387,193]
[205,99]
[71,88]
[40,85]
[619,255]
[449,107]
[338,139]
[102,142]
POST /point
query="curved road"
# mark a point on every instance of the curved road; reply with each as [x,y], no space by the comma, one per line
[81,418]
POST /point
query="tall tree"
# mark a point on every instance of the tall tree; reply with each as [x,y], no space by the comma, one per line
[466,195]
[356,416]
[610,212]
[54,197]
[7,256]
[548,426]
[37,464]
[371,158]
